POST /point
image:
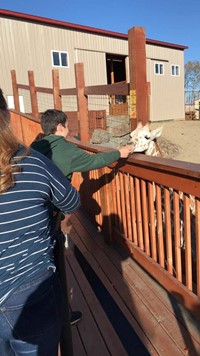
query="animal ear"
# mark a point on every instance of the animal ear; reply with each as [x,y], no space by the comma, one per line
[156,133]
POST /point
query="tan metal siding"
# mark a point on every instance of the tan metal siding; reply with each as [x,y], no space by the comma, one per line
[167,91]
[94,66]
[27,46]
[95,73]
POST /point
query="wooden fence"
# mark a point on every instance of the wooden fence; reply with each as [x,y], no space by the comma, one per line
[90,119]
[144,205]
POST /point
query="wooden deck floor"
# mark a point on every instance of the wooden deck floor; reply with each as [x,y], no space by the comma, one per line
[125,312]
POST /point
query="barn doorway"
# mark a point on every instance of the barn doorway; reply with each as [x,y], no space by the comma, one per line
[116,73]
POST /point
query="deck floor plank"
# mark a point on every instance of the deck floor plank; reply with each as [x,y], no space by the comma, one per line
[87,328]
[191,323]
[114,293]
[150,326]
[144,303]
[94,319]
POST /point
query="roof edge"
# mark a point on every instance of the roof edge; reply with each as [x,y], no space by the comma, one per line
[48,21]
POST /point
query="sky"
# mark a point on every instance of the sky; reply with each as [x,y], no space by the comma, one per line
[174,21]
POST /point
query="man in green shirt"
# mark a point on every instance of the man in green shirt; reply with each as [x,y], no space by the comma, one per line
[69,157]
[66,155]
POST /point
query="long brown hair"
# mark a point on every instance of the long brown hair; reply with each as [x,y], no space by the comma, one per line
[8,148]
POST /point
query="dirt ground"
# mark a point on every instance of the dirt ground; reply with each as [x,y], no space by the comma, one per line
[180,140]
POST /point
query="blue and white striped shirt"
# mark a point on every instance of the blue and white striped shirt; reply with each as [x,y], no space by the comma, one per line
[26,237]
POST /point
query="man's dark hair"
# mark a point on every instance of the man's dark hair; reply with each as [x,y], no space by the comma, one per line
[50,120]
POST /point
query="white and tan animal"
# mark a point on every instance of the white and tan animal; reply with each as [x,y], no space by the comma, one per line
[144,140]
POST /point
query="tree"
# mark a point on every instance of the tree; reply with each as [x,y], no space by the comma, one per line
[192,75]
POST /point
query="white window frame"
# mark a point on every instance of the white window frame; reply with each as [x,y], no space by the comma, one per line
[11,105]
[176,67]
[160,65]
[60,61]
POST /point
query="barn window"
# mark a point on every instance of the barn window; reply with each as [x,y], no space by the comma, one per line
[175,70]
[159,68]
[60,59]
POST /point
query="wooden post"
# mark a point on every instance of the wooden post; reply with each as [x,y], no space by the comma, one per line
[112,80]
[138,82]
[83,119]
[148,100]
[56,89]
[33,94]
[15,90]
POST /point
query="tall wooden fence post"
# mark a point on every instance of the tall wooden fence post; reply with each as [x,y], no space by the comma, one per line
[138,82]
[56,89]
[15,90]
[83,118]
[148,101]
[33,94]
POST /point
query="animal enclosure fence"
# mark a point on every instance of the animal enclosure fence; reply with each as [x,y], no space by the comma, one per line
[192,104]
[91,104]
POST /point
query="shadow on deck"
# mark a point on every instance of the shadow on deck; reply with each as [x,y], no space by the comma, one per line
[125,311]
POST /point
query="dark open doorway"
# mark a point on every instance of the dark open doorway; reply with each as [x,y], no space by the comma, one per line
[116,73]
[116,69]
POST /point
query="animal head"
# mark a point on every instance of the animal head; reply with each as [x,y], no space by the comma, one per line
[143,140]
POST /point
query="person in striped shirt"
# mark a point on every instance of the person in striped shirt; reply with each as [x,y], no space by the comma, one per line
[31,297]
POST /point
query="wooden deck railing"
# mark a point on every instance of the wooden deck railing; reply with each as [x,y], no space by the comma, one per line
[150,206]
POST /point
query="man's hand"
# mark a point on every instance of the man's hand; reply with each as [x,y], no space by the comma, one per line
[125,151]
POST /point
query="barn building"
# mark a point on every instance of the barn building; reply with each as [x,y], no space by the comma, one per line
[41,44]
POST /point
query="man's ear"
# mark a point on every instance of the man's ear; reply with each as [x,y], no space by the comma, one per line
[59,128]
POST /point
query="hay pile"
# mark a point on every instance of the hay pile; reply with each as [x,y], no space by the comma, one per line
[167,148]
